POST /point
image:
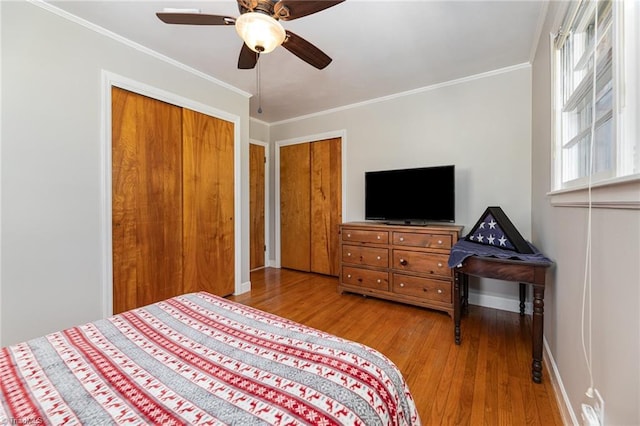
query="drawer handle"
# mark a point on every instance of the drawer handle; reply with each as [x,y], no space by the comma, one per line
[379,281]
[348,235]
[349,276]
[439,264]
[401,284]
[439,291]
[348,254]
[379,237]
[440,242]
[378,257]
[403,262]
[401,238]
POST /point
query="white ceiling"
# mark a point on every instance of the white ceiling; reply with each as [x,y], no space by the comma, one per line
[379,48]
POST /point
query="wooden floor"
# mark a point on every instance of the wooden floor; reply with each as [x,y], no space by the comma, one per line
[484,381]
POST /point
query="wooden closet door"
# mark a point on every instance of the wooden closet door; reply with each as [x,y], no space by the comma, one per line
[295,207]
[326,205]
[256,205]
[208,204]
[146,200]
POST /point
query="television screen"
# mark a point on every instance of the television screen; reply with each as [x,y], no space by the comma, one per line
[411,196]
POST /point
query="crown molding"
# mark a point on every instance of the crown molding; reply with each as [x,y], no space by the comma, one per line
[110,34]
[255,120]
[407,93]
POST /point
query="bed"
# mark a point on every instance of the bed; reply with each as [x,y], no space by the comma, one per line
[199,359]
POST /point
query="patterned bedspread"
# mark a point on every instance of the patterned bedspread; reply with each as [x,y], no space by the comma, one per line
[199,359]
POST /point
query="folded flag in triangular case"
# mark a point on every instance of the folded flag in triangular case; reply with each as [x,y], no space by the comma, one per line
[495,229]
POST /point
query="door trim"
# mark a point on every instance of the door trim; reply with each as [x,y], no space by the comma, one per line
[110,79]
[342,134]
[267,257]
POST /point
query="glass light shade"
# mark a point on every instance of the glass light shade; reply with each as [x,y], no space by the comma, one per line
[260,32]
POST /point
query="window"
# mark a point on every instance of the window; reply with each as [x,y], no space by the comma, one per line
[596,93]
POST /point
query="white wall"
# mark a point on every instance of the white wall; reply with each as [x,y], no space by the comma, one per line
[480,124]
[52,259]
[561,233]
[259,130]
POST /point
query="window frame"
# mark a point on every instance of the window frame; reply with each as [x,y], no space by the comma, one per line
[620,187]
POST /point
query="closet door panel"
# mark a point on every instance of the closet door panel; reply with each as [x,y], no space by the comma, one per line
[256,205]
[146,203]
[124,191]
[295,207]
[326,201]
[208,204]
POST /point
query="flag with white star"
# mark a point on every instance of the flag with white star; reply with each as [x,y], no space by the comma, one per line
[495,229]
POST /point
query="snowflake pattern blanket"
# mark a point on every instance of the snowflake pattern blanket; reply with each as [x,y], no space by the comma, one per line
[199,359]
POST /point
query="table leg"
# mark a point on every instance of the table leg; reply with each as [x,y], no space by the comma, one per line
[523,292]
[456,306]
[538,325]
[465,286]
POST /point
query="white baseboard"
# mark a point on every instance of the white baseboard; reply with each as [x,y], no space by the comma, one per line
[497,302]
[566,411]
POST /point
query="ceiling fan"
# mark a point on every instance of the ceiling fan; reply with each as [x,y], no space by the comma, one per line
[259,28]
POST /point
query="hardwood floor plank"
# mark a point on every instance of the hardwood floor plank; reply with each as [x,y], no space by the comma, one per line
[464,403]
[422,375]
[437,415]
[492,368]
[479,380]
[486,380]
[505,340]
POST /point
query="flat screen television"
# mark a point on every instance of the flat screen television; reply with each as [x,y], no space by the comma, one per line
[411,196]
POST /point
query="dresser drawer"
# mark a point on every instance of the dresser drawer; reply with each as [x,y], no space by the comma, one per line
[412,239]
[421,262]
[370,256]
[365,236]
[378,280]
[425,288]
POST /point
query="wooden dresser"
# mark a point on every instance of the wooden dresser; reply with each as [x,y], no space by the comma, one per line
[406,264]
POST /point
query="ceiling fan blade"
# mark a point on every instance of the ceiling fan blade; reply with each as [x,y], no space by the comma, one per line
[194,18]
[305,50]
[248,58]
[287,10]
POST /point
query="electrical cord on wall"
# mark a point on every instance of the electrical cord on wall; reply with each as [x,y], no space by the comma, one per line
[587,267]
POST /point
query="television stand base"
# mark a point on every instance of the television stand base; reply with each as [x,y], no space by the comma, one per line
[413,223]
[405,222]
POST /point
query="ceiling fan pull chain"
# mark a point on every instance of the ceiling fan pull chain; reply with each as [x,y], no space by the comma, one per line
[258,86]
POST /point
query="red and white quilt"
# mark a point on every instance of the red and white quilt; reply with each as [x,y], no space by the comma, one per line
[199,359]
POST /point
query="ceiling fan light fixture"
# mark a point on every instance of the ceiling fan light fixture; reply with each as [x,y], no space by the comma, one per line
[260,32]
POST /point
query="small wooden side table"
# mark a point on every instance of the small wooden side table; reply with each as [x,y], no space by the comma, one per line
[518,271]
